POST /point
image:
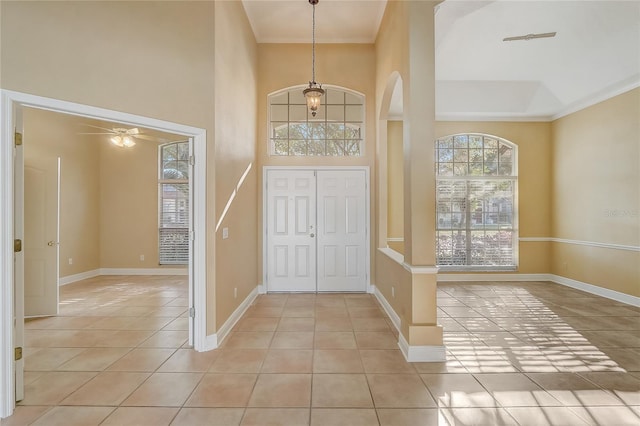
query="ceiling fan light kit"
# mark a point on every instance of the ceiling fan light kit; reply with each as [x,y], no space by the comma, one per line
[122,137]
[122,141]
[314,92]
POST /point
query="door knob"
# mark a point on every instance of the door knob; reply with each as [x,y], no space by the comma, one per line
[52,243]
[312,235]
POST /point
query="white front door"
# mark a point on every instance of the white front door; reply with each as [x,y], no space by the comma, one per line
[41,199]
[291,218]
[342,230]
[316,230]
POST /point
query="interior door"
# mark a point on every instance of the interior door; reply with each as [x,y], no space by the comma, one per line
[342,230]
[290,227]
[18,257]
[41,213]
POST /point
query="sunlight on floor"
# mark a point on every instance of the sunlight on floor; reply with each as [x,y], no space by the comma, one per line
[517,354]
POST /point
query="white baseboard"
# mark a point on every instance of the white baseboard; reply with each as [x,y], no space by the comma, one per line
[443,277]
[78,277]
[213,341]
[557,279]
[411,353]
[421,353]
[598,291]
[395,319]
[210,343]
[121,271]
[144,271]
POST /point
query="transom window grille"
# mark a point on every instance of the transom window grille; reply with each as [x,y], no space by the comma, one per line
[336,130]
[173,210]
[476,196]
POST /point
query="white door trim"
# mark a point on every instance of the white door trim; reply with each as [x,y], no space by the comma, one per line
[10,100]
[264,287]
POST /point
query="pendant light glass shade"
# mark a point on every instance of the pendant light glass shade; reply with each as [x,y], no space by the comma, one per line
[313,94]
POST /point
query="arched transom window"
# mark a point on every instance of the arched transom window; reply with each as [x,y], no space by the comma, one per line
[336,130]
[476,203]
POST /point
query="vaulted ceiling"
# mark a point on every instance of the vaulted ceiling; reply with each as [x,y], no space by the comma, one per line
[594,55]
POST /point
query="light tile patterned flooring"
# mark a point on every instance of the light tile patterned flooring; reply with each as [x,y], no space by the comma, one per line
[517,353]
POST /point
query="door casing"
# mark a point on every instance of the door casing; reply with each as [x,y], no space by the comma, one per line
[264,287]
[10,102]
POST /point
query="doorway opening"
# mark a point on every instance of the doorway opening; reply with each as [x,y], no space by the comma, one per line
[10,112]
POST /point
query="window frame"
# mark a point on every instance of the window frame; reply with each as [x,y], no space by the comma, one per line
[162,181]
[468,229]
[323,120]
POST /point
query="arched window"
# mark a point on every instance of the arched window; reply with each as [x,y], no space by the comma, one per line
[476,203]
[173,203]
[336,130]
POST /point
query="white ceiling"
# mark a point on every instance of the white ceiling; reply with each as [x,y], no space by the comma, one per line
[595,55]
[337,21]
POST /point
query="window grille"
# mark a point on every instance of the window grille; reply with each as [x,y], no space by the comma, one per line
[476,203]
[173,210]
[336,130]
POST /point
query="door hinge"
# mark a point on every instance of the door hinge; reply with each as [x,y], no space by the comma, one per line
[18,353]
[192,312]
[17,246]
[17,139]
[192,160]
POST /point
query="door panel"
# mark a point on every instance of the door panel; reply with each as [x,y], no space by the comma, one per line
[41,237]
[291,216]
[342,238]
[331,256]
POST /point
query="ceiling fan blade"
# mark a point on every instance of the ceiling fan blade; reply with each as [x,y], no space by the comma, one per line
[110,133]
[530,36]
[98,127]
[147,137]
[134,131]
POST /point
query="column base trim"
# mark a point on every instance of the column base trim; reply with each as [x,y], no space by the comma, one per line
[421,353]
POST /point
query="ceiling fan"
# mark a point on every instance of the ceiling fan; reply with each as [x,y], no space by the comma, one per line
[121,136]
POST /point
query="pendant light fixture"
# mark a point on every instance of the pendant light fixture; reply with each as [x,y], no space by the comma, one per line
[314,92]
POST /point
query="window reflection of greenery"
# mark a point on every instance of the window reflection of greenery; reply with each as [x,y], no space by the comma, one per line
[475,215]
[174,204]
[329,134]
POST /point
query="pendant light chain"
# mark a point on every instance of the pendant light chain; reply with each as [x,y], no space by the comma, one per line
[313,45]
[314,92]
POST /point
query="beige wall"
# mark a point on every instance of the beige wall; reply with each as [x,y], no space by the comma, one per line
[391,57]
[534,183]
[596,193]
[236,79]
[351,66]
[50,135]
[109,195]
[155,59]
[197,63]
[405,50]
[395,189]
[128,205]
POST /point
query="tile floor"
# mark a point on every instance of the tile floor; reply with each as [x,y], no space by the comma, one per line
[517,353]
